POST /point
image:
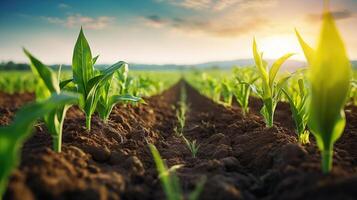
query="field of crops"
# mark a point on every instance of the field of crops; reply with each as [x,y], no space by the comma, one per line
[115,133]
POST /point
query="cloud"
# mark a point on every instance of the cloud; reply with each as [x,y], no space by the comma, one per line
[63,6]
[338,14]
[77,20]
[219,5]
[230,27]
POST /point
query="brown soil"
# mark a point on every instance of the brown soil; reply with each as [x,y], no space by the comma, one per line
[239,156]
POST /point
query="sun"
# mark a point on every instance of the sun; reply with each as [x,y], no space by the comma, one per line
[278,45]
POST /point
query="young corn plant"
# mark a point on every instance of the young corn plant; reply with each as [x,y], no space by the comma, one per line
[211,87]
[192,146]
[271,89]
[89,81]
[298,100]
[330,75]
[353,92]
[245,78]
[226,92]
[14,135]
[170,181]
[110,96]
[48,84]
[181,112]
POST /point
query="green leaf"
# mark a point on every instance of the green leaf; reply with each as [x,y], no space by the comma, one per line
[13,136]
[82,64]
[170,185]
[308,51]
[276,66]
[330,75]
[120,98]
[65,83]
[45,73]
[94,60]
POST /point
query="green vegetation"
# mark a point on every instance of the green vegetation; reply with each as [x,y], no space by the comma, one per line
[111,94]
[13,136]
[244,81]
[298,100]
[181,112]
[191,145]
[270,90]
[88,80]
[330,74]
[49,84]
[170,181]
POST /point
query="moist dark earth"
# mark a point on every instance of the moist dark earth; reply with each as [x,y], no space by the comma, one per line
[239,156]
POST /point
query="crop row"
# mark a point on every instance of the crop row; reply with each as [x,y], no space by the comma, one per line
[89,88]
[317,94]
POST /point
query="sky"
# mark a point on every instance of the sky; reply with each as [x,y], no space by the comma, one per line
[166,31]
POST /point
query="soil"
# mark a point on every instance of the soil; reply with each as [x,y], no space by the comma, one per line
[239,156]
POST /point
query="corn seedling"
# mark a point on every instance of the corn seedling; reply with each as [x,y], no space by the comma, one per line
[298,100]
[245,78]
[330,74]
[170,181]
[353,92]
[88,80]
[108,98]
[13,136]
[270,90]
[181,112]
[226,92]
[211,87]
[191,145]
[48,84]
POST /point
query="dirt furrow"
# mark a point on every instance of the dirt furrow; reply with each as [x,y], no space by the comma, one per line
[239,156]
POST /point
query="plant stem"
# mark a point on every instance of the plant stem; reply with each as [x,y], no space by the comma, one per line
[304,137]
[326,160]
[3,185]
[88,122]
[57,143]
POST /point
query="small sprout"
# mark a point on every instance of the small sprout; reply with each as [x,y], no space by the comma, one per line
[191,145]
[170,181]
[181,112]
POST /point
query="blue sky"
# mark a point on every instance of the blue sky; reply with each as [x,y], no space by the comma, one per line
[165,31]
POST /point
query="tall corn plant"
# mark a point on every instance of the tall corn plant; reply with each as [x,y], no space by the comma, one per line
[89,81]
[48,84]
[271,89]
[330,74]
[13,136]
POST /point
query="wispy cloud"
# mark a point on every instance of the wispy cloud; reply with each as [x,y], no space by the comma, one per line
[63,6]
[219,5]
[77,20]
[338,14]
[229,28]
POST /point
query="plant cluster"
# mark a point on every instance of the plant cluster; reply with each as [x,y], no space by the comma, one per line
[317,95]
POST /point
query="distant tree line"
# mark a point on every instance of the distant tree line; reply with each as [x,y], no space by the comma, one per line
[23,66]
[14,66]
